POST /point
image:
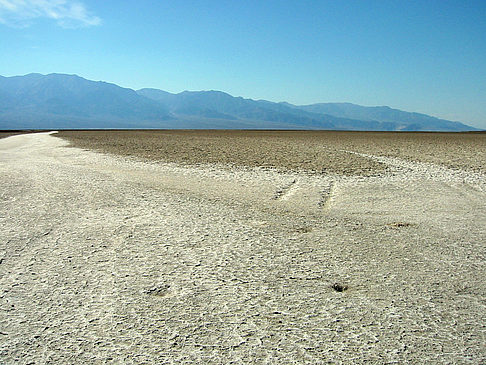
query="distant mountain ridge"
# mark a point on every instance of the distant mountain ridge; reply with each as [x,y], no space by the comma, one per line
[384,114]
[60,101]
[69,101]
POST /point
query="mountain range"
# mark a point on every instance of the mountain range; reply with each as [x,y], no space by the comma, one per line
[60,101]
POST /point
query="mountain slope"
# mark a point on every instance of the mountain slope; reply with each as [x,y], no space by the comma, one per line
[68,101]
[345,116]
[60,101]
[264,113]
[217,104]
[384,114]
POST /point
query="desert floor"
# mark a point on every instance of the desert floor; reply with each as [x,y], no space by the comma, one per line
[224,247]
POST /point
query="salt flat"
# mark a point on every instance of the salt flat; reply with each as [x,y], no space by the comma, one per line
[108,258]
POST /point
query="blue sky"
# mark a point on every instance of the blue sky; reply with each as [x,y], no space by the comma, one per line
[426,56]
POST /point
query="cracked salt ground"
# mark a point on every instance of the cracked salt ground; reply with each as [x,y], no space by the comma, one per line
[110,260]
[422,170]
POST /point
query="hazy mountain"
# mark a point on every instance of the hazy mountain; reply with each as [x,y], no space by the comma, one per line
[259,113]
[69,101]
[217,104]
[37,101]
[316,116]
[403,120]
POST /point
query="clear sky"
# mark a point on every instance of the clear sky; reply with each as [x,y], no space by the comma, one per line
[426,56]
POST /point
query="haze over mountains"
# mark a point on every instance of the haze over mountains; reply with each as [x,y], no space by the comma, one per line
[59,101]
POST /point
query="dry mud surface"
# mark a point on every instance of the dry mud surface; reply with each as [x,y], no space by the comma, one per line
[115,259]
[314,151]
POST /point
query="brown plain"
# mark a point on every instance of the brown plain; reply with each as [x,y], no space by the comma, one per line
[311,151]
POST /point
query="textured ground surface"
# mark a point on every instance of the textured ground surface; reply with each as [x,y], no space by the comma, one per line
[108,259]
[291,150]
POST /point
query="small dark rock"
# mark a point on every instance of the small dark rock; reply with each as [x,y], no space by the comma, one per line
[303,230]
[399,224]
[339,287]
[159,291]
